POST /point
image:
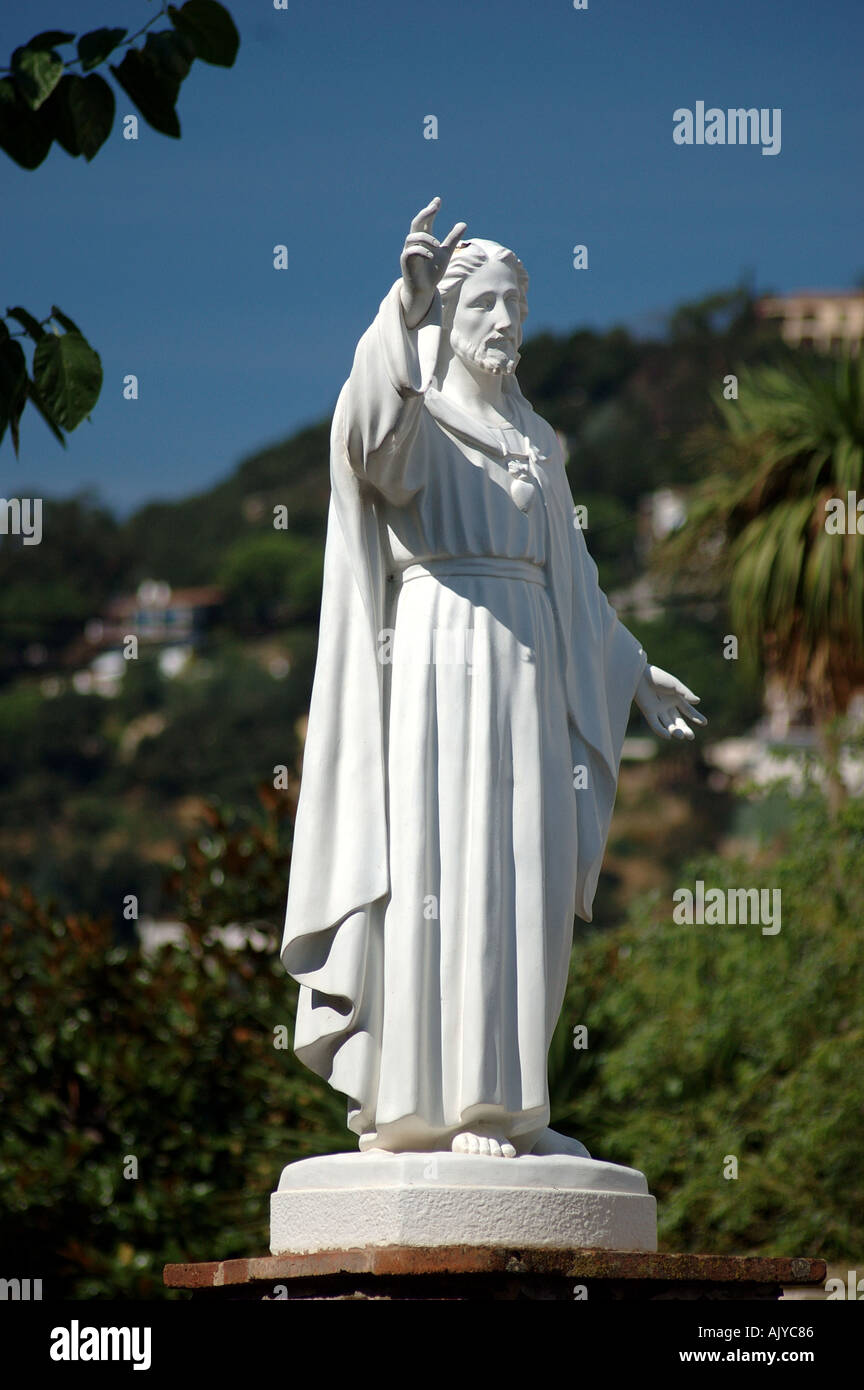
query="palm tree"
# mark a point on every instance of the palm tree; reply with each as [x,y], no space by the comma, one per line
[792,440]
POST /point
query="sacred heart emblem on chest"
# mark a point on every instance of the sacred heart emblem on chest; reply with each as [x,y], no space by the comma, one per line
[521,487]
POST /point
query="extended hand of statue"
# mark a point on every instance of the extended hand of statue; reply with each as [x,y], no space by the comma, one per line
[667,704]
[424,260]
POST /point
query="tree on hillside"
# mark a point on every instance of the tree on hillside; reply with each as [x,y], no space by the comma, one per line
[783,456]
[42,99]
[83,560]
[271,579]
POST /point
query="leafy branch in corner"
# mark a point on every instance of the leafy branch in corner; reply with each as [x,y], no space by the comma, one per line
[67,373]
[43,100]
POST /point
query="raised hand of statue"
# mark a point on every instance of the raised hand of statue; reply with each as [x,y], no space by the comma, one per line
[667,704]
[424,260]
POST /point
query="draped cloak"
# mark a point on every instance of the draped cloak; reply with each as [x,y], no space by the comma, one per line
[390,427]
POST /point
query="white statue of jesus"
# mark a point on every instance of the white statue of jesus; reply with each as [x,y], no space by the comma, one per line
[471,696]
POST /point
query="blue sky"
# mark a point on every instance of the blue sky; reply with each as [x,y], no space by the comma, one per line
[555,128]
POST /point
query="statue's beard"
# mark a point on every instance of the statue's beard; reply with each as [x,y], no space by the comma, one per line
[488,360]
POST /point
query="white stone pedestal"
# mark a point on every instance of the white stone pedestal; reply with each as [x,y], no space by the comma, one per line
[355,1200]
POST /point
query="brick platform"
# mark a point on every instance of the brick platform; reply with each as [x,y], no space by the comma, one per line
[463,1272]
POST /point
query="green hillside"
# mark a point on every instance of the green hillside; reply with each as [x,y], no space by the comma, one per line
[96,792]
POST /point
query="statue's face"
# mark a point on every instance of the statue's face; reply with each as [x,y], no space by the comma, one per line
[487,325]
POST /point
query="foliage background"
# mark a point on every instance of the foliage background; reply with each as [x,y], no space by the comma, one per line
[703,1042]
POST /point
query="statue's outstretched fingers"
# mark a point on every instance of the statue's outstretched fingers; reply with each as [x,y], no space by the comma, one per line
[687,693]
[687,709]
[422,221]
[453,235]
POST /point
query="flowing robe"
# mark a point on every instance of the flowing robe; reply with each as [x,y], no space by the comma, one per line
[468,664]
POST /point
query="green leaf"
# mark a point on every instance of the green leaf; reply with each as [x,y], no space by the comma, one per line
[68,375]
[50,38]
[171,53]
[210,29]
[64,321]
[82,109]
[33,394]
[37,72]
[153,91]
[93,48]
[25,135]
[13,384]
[33,326]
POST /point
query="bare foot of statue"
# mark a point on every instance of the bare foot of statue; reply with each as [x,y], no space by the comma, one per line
[551,1142]
[493,1145]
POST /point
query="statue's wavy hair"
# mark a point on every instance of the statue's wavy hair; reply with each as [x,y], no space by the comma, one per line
[470,256]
